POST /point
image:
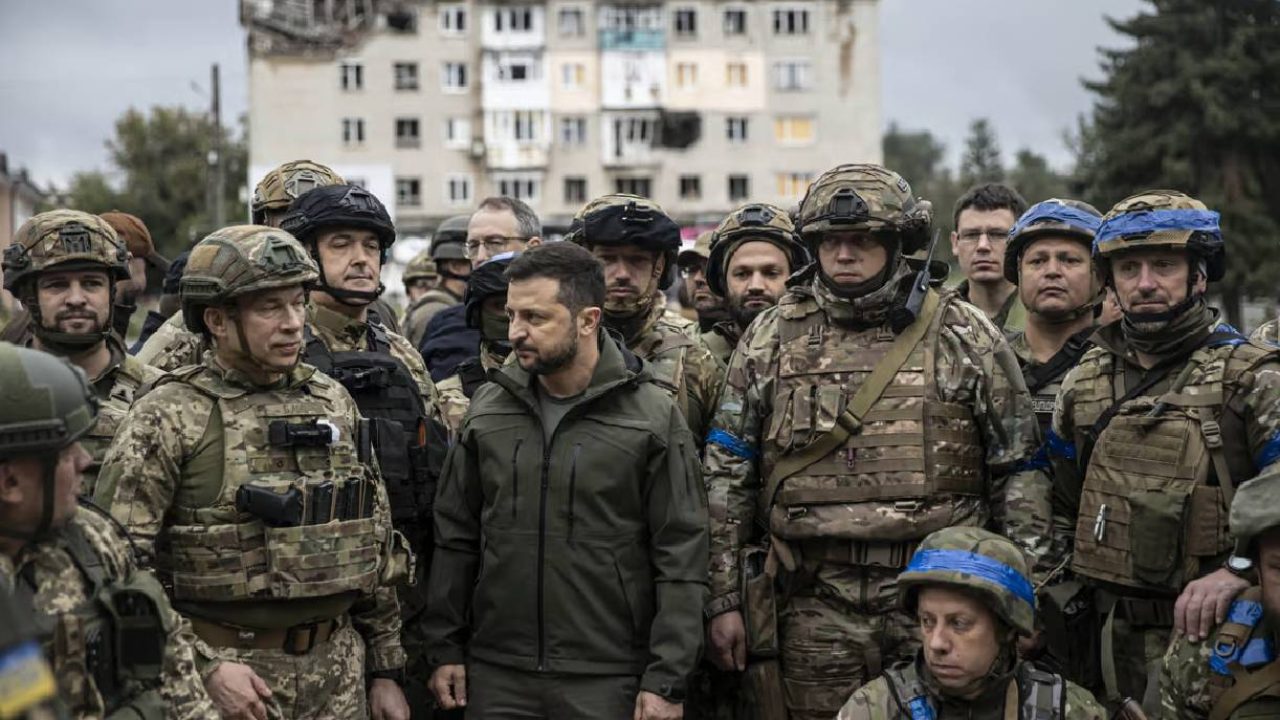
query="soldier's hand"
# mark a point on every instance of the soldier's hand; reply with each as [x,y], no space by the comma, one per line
[386,701]
[656,707]
[238,692]
[449,685]
[1204,603]
[727,638]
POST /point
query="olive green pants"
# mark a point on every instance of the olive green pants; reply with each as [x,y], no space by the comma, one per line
[495,692]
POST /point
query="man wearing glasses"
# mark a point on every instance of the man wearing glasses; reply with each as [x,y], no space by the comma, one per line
[499,225]
[983,217]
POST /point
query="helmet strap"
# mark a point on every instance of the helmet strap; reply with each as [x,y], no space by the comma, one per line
[350,298]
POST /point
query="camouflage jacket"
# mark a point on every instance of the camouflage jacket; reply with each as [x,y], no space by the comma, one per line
[905,693]
[722,340]
[115,387]
[62,590]
[169,452]
[972,367]
[1194,675]
[1267,332]
[455,396]
[679,362]
[172,346]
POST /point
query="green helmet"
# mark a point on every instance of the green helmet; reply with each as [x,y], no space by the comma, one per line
[1163,218]
[421,267]
[1074,219]
[281,186]
[865,197]
[977,560]
[756,221]
[1254,510]
[449,242]
[45,402]
[623,219]
[238,260]
[64,237]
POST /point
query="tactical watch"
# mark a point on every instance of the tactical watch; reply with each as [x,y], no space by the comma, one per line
[1241,567]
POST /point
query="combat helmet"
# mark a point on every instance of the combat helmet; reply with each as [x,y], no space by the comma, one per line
[1163,218]
[449,242]
[979,561]
[1073,219]
[45,405]
[864,197]
[756,221]
[340,206]
[63,240]
[699,252]
[288,182]
[238,260]
[421,267]
[623,219]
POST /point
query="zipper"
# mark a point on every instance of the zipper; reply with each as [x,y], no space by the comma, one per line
[542,555]
[573,481]
[515,477]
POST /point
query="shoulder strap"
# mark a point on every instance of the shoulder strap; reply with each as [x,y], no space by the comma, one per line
[89,562]
[1065,359]
[315,352]
[378,339]
[1248,685]
[1039,695]
[850,421]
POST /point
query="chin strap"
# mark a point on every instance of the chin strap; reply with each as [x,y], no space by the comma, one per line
[246,353]
[350,298]
[63,343]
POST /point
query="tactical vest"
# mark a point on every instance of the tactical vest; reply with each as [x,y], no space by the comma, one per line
[1244,677]
[471,374]
[111,412]
[911,447]
[117,636]
[1150,519]
[1045,380]
[1041,695]
[665,348]
[294,517]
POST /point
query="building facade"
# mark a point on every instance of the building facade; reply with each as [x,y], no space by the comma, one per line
[700,104]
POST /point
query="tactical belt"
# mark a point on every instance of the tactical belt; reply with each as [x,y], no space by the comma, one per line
[297,640]
[855,552]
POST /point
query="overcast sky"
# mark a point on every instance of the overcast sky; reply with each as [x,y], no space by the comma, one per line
[69,68]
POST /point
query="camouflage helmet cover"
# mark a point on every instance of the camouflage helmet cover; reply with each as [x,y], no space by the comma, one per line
[865,197]
[624,219]
[288,182]
[237,260]
[756,221]
[45,402]
[1163,218]
[701,250]
[60,237]
[977,560]
[1073,219]
[421,267]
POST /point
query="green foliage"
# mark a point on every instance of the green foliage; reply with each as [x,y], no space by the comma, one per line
[981,160]
[161,160]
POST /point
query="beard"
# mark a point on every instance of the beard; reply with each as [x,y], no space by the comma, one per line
[742,315]
[61,319]
[554,359]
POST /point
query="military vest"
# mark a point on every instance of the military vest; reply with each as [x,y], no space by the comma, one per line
[1041,695]
[666,348]
[127,379]
[1244,675]
[912,445]
[1045,380]
[1153,512]
[719,343]
[294,516]
[117,636]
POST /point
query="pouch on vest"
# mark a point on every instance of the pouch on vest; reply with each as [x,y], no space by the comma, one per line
[398,566]
[759,604]
[141,630]
[1157,519]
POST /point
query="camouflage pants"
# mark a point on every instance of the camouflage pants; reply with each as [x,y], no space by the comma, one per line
[838,634]
[327,682]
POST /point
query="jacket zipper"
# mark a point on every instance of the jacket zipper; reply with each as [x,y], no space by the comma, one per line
[573,481]
[515,477]
[542,554]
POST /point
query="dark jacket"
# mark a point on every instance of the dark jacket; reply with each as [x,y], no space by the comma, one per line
[448,341]
[588,556]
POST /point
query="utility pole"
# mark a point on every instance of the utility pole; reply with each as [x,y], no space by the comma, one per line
[215,154]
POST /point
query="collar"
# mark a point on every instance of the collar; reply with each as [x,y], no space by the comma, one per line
[616,367]
[296,377]
[339,331]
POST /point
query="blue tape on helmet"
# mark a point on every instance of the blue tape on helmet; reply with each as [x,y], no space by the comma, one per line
[735,445]
[1050,211]
[1149,221]
[979,566]
[1269,452]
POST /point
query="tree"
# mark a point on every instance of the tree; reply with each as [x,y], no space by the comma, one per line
[981,160]
[915,155]
[1035,180]
[161,161]
[1194,104]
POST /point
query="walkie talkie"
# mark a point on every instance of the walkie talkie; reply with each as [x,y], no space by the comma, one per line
[901,317]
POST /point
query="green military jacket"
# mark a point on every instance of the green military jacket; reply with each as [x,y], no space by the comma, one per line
[587,555]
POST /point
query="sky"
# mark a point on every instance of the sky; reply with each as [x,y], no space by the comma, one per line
[69,68]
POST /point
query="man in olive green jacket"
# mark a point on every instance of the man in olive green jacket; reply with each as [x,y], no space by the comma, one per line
[571,524]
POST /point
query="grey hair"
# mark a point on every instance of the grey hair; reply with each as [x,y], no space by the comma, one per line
[527,222]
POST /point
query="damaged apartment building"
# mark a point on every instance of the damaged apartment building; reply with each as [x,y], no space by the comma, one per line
[700,104]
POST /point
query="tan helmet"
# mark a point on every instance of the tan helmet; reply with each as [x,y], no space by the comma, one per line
[238,260]
[63,237]
[281,186]
[756,221]
[864,197]
[421,267]
[1163,218]
[700,252]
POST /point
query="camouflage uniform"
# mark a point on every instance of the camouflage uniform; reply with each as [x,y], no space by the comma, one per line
[688,261]
[663,338]
[72,579]
[76,239]
[172,346]
[1239,654]
[995,571]
[1011,318]
[947,443]
[1267,332]
[421,267]
[1159,448]
[232,486]
[448,243]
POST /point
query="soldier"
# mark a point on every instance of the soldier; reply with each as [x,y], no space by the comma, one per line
[419,278]
[1162,419]
[971,596]
[982,219]
[753,253]
[637,242]
[142,252]
[349,234]
[448,254]
[854,421]
[115,645]
[1233,673]
[588,603]
[66,266]
[250,480]
[486,308]
[1267,332]
[708,308]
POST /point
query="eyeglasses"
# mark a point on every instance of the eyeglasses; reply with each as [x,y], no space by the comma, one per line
[994,235]
[493,244]
[689,271]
